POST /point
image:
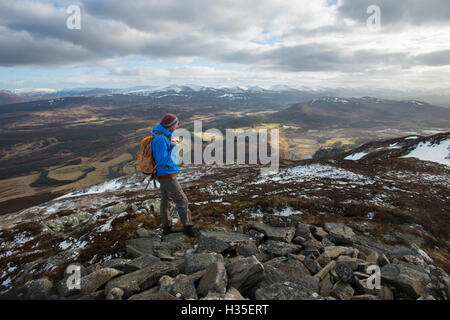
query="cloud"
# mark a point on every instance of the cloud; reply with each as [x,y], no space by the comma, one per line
[293,39]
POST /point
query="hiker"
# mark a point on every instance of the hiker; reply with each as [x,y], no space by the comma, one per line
[164,148]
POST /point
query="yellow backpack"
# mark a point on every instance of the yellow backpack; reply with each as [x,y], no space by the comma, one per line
[145,157]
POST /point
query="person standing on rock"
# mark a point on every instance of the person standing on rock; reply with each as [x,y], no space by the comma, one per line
[164,150]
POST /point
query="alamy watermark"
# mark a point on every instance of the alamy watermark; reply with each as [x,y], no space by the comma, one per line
[73,281]
[374,281]
[73,22]
[374,21]
[250,145]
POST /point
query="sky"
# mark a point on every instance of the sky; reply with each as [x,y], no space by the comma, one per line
[299,43]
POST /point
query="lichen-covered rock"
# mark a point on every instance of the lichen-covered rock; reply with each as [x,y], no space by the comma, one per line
[221,240]
[198,261]
[115,294]
[339,233]
[344,272]
[144,278]
[342,291]
[214,280]
[408,278]
[96,279]
[244,273]
[277,248]
[141,246]
[181,287]
[286,291]
[40,289]
[285,234]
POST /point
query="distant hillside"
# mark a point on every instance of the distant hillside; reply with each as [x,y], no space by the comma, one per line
[364,112]
[435,148]
[6,97]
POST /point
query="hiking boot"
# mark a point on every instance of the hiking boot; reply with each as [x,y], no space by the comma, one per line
[191,231]
[166,230]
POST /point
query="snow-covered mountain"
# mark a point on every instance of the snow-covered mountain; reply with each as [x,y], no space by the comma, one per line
[150,90]
[435,149]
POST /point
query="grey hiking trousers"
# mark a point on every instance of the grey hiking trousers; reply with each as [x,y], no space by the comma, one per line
[170,187]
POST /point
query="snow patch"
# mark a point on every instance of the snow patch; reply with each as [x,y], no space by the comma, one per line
[286,212]
[310,172]
[439,153]
[356,156]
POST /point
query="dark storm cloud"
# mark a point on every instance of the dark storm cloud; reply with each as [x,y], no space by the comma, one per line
[314,57]
[437,58]
[35,33]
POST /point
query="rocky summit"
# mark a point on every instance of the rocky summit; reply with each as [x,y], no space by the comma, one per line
[361,228]
[234,265]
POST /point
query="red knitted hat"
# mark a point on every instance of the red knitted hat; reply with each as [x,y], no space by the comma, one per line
[169,120]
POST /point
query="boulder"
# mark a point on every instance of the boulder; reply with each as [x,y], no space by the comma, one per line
[153,294]
[93,281]
[324,271]
[285,234]
[303,230]
[144,278]
[117,208]
[295,269]
[141,246]
[331,253]
[214,280]
[299,240]
[373,257]
[286,291]
[144,261]
[120,264]
[144,233]
[244,273]
[40,289]
[277,248]
[181,287]
[312,265]
[339,233]
[342,291]
[325,286]
[353,263]
[280,221]
[199,261]
[115,294]
[312,247]
[274,275]
[407,278]
[385,293]
[221,240]
[232,294]
[170,244]
[247,249]
[344,272]
[319,233]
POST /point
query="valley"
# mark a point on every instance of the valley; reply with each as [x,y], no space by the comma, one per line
[49,147]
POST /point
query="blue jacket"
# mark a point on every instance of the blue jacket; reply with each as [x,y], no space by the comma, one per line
[166,158]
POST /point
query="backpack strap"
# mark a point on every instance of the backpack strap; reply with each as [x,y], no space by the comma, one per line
[162,134]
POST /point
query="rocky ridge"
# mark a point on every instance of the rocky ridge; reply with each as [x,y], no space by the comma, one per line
[393,206]
[278,258]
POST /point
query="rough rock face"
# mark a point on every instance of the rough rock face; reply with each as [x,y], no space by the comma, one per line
[245,273]
[223,264]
